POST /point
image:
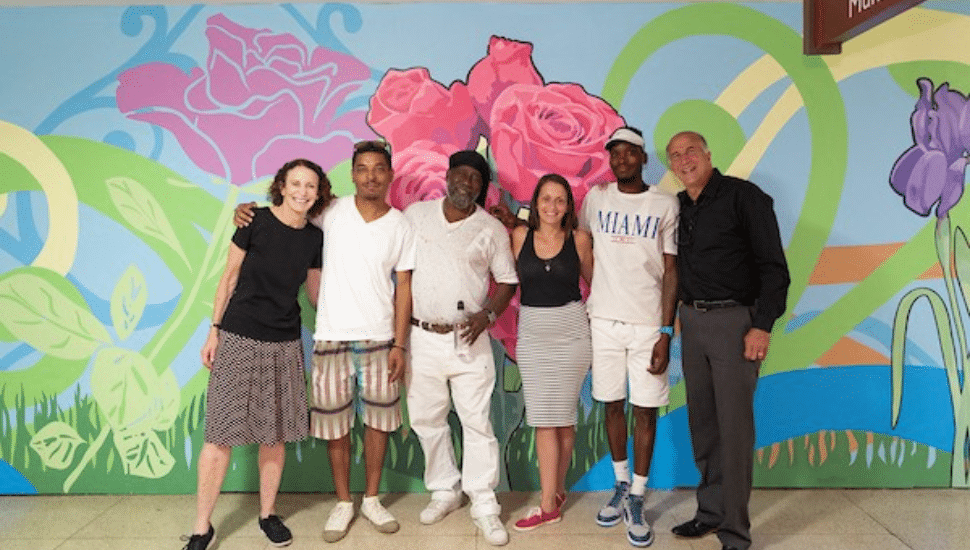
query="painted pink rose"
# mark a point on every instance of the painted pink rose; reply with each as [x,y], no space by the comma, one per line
[508,62]
[493,196]
[555,128]
[409,106]
[419,173]
[261,100]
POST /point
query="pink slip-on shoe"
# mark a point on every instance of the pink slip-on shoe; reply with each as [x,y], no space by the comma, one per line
[536,517]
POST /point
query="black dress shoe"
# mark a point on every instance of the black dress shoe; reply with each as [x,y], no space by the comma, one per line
[726,547]
[693,529]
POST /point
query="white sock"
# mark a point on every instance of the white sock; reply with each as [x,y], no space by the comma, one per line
[621,470]
[639,485]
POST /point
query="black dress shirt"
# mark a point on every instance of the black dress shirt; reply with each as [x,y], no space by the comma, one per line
[729,248]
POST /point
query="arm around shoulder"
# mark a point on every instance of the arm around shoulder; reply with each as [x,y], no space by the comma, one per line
[584,248]
[518,239]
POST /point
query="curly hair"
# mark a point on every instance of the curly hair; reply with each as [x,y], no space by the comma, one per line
[324,196]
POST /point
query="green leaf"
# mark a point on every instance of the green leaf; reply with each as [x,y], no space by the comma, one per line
[511,378]
[128,301]
[44,316]
[129,392]
[56,444]
[140,209]
[168,400]
[143,454]
[341,183]
[906,74]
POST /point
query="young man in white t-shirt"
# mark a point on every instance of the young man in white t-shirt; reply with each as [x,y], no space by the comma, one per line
[459,248]
[362,327]
[631,305]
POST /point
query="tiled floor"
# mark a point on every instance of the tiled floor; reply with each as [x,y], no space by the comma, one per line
[782,519]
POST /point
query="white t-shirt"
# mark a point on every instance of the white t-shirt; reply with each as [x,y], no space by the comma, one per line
[631,233]
[453,261]
[356,290]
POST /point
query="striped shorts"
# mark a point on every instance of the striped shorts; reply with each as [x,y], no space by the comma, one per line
[340,368]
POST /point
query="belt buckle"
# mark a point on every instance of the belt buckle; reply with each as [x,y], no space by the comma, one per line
[701,305]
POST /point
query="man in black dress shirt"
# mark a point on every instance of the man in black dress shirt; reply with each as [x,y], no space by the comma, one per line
[733,285]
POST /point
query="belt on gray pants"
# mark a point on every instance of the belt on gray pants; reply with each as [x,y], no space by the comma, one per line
[707,305]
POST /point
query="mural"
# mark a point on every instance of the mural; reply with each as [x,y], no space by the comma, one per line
[127,135]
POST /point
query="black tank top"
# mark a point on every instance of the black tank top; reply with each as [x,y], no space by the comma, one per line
[548,283]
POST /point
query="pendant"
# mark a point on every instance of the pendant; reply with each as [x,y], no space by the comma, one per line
[548,265]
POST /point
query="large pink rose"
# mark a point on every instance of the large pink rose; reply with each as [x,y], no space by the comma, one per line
[555,128]
[409,106]
[419,173]
[262,100]
[508,62]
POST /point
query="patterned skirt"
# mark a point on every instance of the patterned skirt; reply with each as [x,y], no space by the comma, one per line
[554,353]
[257,392]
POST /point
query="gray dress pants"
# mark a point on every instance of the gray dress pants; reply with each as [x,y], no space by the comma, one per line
[720,385]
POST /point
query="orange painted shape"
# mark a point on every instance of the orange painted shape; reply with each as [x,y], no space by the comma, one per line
[849,352]
[851,264]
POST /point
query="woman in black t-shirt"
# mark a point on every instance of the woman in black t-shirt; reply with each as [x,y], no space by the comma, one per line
[257,390]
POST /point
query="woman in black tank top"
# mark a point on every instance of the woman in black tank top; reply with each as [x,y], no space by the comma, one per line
[553,350]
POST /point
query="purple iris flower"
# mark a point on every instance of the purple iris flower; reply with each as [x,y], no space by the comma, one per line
[933,169]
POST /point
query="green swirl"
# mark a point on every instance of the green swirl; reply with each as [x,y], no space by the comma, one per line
[827,122]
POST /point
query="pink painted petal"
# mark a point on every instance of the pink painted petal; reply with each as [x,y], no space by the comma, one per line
[508,62]
[153,84]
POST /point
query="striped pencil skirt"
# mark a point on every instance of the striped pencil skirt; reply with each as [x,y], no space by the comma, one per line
[554,354]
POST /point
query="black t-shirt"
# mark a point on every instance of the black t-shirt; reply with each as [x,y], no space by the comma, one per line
[264,304]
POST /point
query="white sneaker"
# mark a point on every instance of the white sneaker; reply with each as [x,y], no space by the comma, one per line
[339,521]
[493,530]
[437,509]
[382,520]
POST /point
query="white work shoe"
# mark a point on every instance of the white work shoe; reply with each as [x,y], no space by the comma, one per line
[437,509]
[382,520]
[339,521]
[493,530]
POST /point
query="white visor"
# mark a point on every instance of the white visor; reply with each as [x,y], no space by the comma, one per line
[627,135]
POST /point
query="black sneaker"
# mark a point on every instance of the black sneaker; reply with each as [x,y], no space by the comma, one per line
[200,542]
[275,531]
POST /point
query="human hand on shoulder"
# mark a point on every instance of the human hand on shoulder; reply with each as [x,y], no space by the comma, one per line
[502,213]
[243,214]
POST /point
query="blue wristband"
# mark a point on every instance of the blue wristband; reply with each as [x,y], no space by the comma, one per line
[668,330]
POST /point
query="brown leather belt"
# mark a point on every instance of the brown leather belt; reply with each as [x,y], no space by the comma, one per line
[437,328]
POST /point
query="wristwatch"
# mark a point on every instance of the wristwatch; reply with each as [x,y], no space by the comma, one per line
[491,316]
[668,330]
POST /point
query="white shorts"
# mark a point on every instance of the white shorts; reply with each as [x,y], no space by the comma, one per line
[621,355]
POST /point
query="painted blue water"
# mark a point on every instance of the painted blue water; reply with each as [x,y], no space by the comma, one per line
[792,404]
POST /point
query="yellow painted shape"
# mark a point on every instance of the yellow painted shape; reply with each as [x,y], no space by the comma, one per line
[62,207]
[919,35]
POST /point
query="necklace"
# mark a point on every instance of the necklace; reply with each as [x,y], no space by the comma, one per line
[548,264]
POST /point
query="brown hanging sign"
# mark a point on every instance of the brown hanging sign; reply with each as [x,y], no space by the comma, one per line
[829,23]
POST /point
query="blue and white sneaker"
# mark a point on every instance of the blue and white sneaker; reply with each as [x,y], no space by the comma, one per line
[637,531]
[612,512]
